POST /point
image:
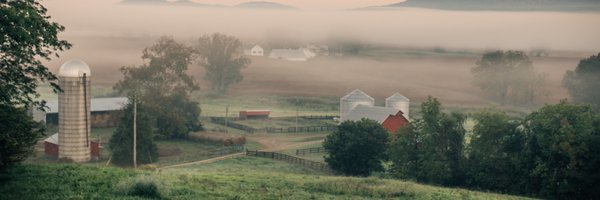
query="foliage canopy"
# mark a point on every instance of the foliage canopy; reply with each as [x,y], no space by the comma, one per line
[509,77]
[221,56]
[28,35]
[583,84]
[357,147]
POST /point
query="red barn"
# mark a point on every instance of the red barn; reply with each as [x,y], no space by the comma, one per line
[51,146]
[390,118]
[255,114]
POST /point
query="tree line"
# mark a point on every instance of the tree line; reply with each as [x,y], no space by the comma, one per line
[553,152]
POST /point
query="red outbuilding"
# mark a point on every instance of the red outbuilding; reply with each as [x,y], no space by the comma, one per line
[255,114]
[51,146]
[390,118]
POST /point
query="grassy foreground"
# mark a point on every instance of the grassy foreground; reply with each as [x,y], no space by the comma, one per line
[241,178]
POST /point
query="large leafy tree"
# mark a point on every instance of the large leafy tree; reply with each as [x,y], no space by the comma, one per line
[357,147]
[164,87]
[509,77]
[431,149]
[121,143]
[562,150]
[26,37]
[494,159]
[583,84]
[221,56]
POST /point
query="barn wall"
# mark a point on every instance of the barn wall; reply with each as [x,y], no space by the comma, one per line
[95,149]
[393,123]
[99,119]
[51,149]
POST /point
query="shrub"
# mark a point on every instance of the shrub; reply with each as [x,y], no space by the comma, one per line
[142,186]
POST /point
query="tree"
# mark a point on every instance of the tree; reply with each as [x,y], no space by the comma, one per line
[561,148]
[121,143]
[18,134]
[222,59]
[27,36]
[357,147]
[583,83]
[495,151]
[164,87]
[508,76]
[431,149]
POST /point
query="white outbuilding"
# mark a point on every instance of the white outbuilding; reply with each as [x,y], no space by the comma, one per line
[353,99]
[400,102]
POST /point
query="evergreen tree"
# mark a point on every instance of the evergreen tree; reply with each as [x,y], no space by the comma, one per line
[121,143]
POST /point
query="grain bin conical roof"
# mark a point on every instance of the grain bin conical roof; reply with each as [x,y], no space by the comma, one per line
[357,95]
[397,97]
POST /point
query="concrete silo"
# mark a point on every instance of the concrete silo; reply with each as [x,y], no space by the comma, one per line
[353,99]
[400,102]
[74,111]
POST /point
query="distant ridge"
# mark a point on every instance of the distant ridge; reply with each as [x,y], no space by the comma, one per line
[189,3]
[167,3]
[498,5]
[264,5]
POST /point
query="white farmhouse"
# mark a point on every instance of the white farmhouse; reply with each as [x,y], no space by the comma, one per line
[256,50]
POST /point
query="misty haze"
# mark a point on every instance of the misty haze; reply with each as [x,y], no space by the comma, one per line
[300,99]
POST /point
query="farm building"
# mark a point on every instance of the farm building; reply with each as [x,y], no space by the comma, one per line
[353,99]
[390,118]
[105,112]
[254,114]
[289,55]
[357,105]
[51,146]
[255,50]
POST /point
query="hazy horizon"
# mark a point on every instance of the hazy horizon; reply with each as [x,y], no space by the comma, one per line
[398,27]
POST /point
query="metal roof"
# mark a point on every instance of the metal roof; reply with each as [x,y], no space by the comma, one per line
[357,95]
[97,105]
[52,139]
[379,114]
[397,97]
[74,68]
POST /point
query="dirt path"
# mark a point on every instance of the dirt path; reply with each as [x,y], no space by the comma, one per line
[268,143]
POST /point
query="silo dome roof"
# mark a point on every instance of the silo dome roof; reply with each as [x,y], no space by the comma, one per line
[357,95]
[74,68]
[397,97]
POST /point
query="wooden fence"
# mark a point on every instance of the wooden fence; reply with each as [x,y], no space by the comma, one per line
[230,123]
[310,150]
[289,159]
[319,116]
[301,129]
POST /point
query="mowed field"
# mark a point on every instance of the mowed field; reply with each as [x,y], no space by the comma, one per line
[379,72]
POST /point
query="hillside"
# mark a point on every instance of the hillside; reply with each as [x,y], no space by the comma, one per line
[505,5]
[241,178]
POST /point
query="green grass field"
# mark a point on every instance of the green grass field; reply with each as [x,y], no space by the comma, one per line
[240,178]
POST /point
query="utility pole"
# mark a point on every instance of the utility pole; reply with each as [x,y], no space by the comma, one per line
[226,118]
[134,132]
[297,116]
